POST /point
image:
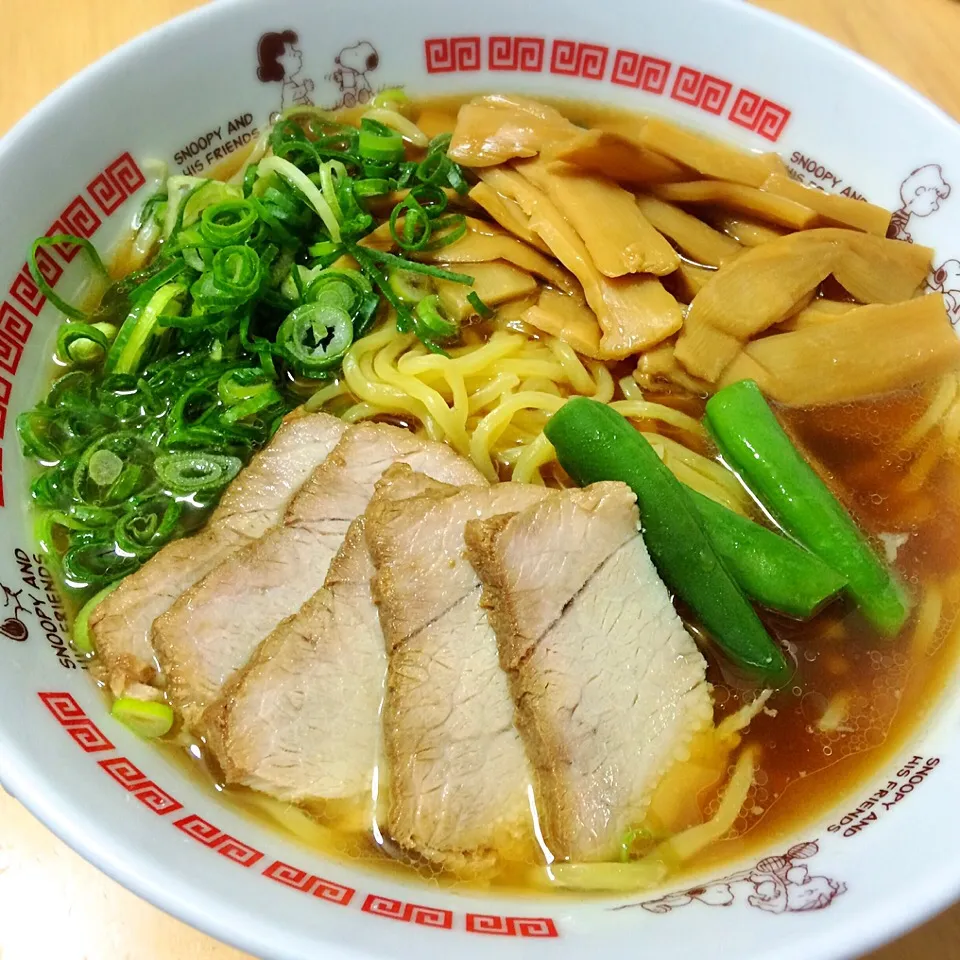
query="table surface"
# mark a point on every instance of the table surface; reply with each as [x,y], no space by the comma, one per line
[43,43]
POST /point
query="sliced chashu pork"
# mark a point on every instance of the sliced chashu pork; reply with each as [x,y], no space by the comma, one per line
[253,503]
[457,771]
[608,685]
[216,626]
[302,720]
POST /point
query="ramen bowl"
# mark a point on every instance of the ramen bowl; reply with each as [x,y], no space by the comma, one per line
[192,93]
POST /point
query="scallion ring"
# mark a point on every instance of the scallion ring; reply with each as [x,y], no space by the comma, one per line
[298,179]
[146,527]
[233,278]
[473,298]
[191,472]
[146,718]
[97,563]
[378,143]
[69,240]
[84,343]
[315,336]
[142,328]
[431,324]
[227,223]
[80,633]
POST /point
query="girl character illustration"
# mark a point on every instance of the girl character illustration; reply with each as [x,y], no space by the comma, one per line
[280,60]
[353,65]
[921,195]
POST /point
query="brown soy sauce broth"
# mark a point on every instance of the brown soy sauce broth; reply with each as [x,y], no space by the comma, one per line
[911,492]
[910,499]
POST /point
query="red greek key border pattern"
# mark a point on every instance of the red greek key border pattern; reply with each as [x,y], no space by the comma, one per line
[572,58]
[24,288]
[210,836]
[759,115]
[408,912]
[142,787]
[14,330]
[702,90]
[542,927]
[71,716]
[298,879]
[631,68]
[453,54]
[516,53]
[120,181]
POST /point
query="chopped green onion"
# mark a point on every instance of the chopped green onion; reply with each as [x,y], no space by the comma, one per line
[84,343]
[38,278]
[378,143]
[95,564]
[452,228]
[412,266]
[348,284]
[433,168]
[417,229]
[146,527]
[270,397]
[146,718]
[227,223]
[372,187]
[329,173]
[142,328]
[208,193]
[135,455]
[298,179]
[390,98]
[80,634]
[473,298]
[440,143]
[187,366]
[314,337]
[629,841]
[184,473]
[143,292]
[432,325]
[238,385]
[104,467]
[233,278]
[411,287]
[325,249]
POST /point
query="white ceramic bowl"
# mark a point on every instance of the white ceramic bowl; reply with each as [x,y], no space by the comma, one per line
[846,881]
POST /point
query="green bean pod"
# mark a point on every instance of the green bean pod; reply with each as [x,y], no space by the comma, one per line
[772,570]
[756,446]
[593,443]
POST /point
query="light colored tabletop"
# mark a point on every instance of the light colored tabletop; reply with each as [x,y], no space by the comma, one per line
[52,903]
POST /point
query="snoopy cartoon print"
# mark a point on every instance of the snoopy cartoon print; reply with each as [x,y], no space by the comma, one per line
[350,74]
[280,60]
[921,195]
[781,884]
[945,279]
[12,625]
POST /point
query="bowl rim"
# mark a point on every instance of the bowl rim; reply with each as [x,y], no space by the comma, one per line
[899,912]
